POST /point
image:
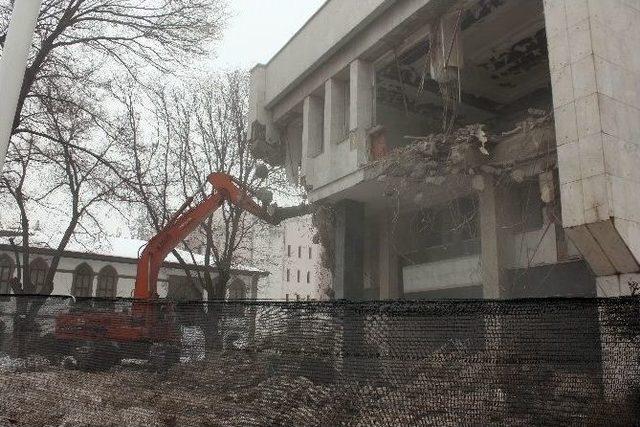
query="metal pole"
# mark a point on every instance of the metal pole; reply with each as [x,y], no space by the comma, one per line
[13,64]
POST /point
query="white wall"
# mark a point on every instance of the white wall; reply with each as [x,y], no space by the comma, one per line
[266,254]
[448,274]
[298,233]
[319,37]
[595,69]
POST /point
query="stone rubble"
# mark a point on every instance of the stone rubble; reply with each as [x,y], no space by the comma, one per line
[464,150]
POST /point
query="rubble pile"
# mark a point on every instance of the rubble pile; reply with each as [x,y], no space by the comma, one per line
[464,150]
[232,389]
[449,388]
[452,386]
[433,157]
[239,389]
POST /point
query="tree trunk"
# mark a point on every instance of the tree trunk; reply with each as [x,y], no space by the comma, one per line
[215,312]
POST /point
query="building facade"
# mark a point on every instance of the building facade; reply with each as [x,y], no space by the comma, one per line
[304,277]
[286,252]
[466,148]
[110,271]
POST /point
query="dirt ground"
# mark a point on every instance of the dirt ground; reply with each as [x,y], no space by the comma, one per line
[229,390]
[239,389]
[232,389]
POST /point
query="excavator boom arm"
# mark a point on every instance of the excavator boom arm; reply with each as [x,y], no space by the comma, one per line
[225,189]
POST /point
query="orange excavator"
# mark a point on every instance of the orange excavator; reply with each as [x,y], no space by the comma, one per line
[99,339]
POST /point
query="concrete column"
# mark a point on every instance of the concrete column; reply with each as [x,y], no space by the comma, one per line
[361,95]
[257,103]
[312,127]
[253,291]
[595,72]
[292,135]
[493,235]
[312,135]
[389,273]
[335,94]
[257,94]
[348,280]
[13,64]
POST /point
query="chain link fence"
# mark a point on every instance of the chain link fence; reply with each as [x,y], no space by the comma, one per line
[525,362]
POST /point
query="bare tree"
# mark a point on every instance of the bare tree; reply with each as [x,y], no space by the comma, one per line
[211,131]
[123,35]
[61,128]
[79,183]
[200,130]
[80,47]
[148,145]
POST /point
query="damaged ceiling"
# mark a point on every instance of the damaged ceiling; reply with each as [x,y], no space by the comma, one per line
[505,59]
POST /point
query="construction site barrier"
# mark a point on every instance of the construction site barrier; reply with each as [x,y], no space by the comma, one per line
[524,362]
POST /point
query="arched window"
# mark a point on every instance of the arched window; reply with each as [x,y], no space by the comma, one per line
[38,271]
[107,286]
[6,273]
[82,286]
[237,290]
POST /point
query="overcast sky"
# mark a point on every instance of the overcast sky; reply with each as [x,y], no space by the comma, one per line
[259,28]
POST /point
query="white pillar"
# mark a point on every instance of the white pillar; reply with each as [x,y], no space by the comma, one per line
[361,93]
[595,76]
[13,64]
[312,127]
[335,94]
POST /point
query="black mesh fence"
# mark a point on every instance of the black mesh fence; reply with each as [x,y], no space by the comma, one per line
[526,362]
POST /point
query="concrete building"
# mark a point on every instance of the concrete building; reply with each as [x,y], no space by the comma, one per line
[109,270]
[293,261]
[423,125]
[287,253]
[263,249]
[304,277]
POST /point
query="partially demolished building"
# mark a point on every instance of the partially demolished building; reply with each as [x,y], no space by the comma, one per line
[472,148]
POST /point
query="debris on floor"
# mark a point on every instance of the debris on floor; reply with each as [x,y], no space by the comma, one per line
[229,390]
[241,388]
[466,150]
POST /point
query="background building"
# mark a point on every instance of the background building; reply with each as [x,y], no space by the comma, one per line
[109,271]
[304,276]
[287,253]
